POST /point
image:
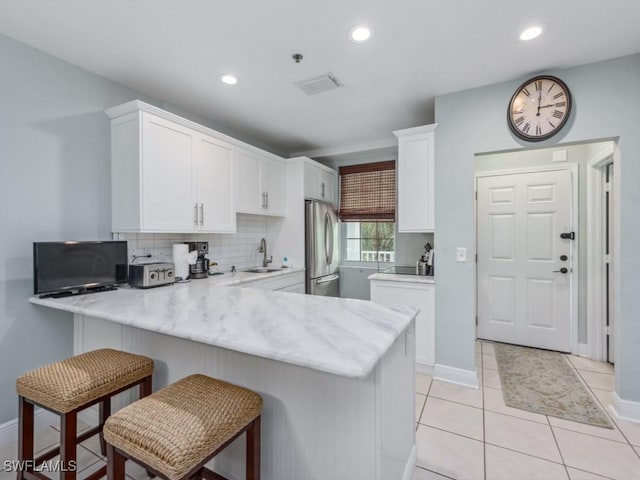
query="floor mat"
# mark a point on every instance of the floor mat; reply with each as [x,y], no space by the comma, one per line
[544,382]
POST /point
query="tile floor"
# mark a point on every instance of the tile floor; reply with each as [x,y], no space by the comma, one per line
[470,434]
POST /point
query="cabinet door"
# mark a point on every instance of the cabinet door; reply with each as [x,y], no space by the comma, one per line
[249,188]
[167,194]
[328,186]
[417,295]
[416,183]
[214,181]
[275,185]
[312,182]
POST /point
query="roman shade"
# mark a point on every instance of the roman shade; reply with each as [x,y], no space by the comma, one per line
[368,192]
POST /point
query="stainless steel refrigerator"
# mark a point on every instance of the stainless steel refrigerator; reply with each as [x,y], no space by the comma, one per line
[322,253]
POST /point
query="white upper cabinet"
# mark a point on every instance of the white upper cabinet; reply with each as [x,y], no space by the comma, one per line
[415,172]
[214,185]
[261,184]
[320,182]
[167,175]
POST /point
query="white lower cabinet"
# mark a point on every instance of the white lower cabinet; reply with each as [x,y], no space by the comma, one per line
[291,282]
[419,295]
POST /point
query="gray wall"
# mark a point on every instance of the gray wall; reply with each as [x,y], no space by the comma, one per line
[55,185]
[474,121]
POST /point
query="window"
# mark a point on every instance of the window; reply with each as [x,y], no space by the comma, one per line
[368,210]
[370,241]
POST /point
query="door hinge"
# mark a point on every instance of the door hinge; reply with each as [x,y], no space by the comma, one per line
[607,258]
[607,330]
[476,195]
[607,187]
[476,258]
[476,320]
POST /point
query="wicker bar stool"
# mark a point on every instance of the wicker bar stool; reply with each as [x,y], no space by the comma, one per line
[66,388]
[177,430]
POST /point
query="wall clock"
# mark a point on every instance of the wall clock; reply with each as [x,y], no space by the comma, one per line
[539,108]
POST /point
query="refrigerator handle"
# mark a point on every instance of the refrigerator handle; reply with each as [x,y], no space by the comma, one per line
[331,239]
[327,223]
[328,279]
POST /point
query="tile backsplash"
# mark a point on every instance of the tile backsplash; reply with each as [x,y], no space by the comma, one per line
[239,249]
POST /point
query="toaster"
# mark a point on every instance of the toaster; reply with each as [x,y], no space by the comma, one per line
[147,275]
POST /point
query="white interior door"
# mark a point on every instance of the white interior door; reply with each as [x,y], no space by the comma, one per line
[524,266]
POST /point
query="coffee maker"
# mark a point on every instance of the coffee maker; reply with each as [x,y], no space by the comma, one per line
[200,269]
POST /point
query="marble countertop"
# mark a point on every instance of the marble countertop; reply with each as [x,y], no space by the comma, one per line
[395,277]
[340,336]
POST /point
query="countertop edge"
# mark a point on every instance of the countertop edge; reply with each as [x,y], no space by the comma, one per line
[396,277]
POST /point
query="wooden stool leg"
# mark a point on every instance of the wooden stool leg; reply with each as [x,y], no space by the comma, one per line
[105,411]
[25,433]
[68,442]
[253,450]
[146,387]
[115,464]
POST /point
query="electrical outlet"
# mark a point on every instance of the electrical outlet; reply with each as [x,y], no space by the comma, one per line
[461,254]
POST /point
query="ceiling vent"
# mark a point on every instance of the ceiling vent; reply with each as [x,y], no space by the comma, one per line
[323,83]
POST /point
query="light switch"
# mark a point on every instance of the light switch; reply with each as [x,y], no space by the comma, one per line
[461,254]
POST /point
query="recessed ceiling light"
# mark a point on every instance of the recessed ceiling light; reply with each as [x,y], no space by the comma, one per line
[360,33]
[531,33]
[228,79]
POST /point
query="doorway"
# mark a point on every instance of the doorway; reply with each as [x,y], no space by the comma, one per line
[526,249]
[592,291]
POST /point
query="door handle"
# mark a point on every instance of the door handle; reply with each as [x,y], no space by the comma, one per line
[562,270]
[195,214]
[201,214]
[568,235]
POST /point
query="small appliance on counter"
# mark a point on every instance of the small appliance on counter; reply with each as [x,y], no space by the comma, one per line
[155,274]
[200,269]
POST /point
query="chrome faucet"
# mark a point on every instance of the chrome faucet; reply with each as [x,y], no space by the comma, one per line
[263,249]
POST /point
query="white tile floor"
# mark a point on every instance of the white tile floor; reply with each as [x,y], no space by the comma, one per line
[467,434]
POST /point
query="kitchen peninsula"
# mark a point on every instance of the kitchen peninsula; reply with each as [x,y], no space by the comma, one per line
[336,375]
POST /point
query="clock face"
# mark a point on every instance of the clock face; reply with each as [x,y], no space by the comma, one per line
[539,108]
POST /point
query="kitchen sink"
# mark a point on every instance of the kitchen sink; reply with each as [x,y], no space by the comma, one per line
[262,270]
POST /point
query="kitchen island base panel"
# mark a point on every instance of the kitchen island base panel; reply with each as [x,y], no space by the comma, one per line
[315,425]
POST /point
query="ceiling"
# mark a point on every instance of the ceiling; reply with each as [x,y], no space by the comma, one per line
[174,51]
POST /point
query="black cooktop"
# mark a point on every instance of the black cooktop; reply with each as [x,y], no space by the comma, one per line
[402,270]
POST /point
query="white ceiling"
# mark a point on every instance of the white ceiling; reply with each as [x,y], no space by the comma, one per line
[174,51]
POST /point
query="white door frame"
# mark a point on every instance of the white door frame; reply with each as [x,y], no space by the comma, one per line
[596,305]
[575,282]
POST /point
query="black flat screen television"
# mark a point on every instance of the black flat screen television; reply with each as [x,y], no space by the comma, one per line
[67,268]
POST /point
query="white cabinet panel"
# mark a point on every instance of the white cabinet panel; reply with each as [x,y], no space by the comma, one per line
[415,172]
[167,200]
[249,182]
[293,282]
[168,176]
[320,182]
[261,184]
[419,295]
[215,195]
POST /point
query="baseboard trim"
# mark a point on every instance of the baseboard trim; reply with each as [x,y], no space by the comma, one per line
[9,430]
[459,376]
[625,409]
[411,464]
[42,418]
[424,368]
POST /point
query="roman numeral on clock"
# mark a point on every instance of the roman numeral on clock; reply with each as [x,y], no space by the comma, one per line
[538,130]
[561,104]
[526,92]
[538,85]
[519,121]
[558,95]
[558,114]
[552,85]
[526,128]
